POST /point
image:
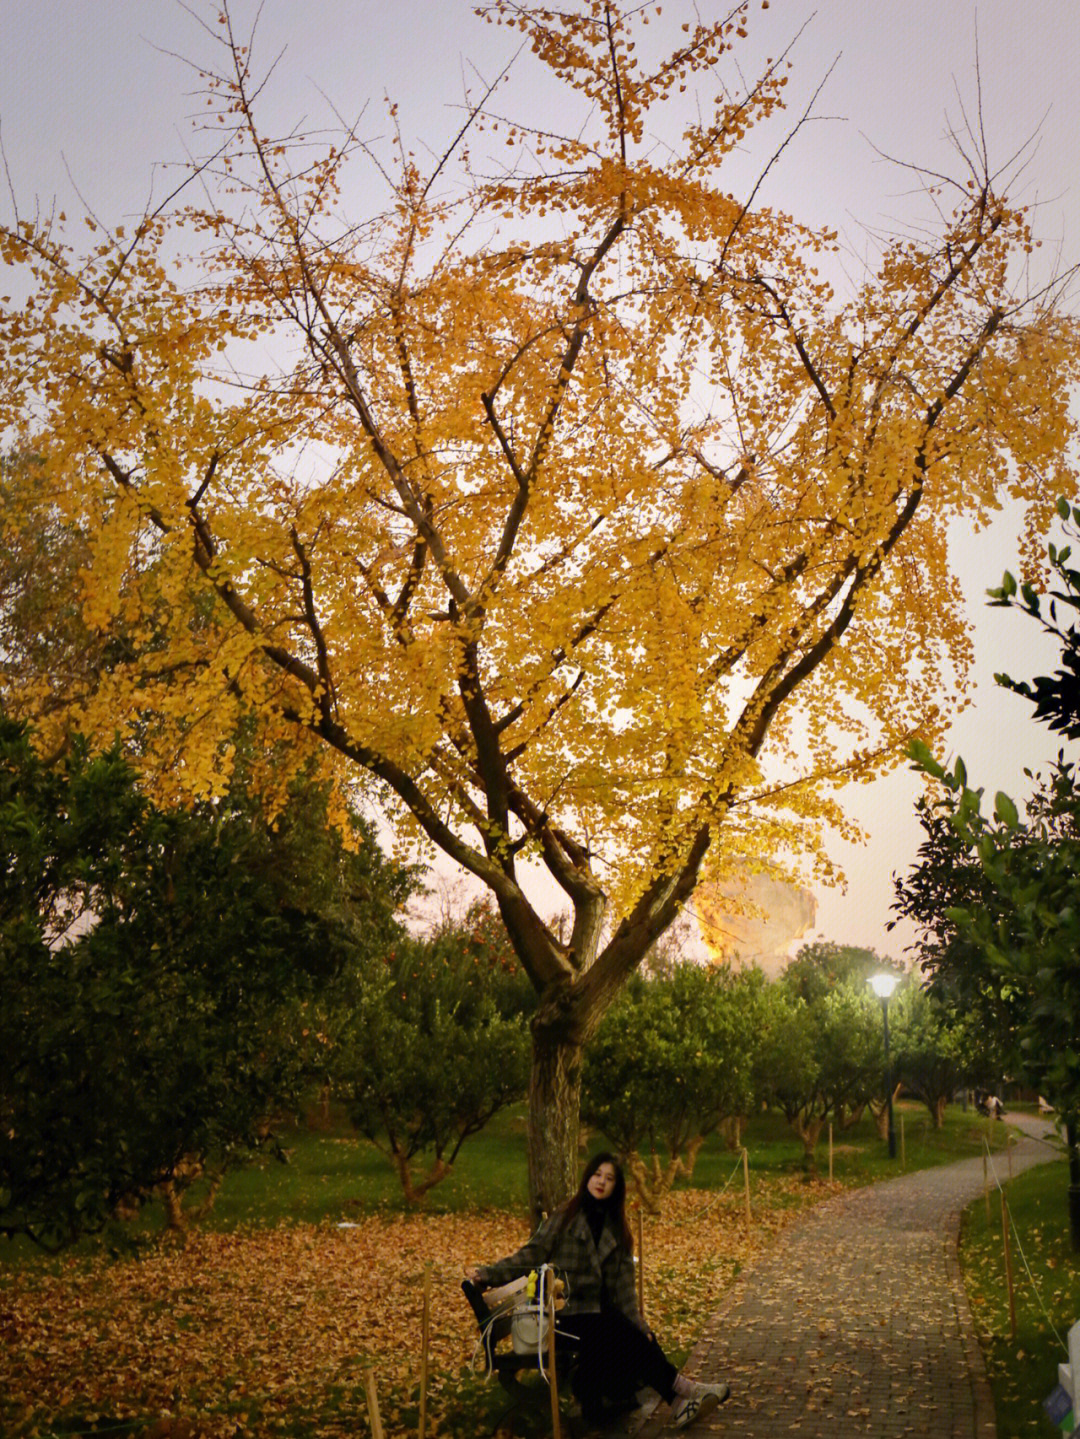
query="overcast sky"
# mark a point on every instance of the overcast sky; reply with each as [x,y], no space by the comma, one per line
[92,95]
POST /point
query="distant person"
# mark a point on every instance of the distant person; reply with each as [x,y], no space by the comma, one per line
[588,1242]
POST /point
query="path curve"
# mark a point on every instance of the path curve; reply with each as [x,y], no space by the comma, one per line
[857,1323]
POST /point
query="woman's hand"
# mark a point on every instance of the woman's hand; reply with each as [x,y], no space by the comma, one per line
[472,1274]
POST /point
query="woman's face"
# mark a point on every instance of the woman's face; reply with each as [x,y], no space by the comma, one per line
[601,1183]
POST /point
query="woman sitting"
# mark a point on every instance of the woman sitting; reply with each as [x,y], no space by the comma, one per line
[589,1243]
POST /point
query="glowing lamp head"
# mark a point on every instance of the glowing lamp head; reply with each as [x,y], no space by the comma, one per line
[884,984]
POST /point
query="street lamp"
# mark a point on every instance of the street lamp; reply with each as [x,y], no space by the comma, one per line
[883,986]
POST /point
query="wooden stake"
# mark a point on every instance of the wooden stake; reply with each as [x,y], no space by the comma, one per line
[553,1380]
[373,1403]
[1008,1266]
[746,1185]
[640,1267]
[830,1154]
[986,1188]
[425,1333]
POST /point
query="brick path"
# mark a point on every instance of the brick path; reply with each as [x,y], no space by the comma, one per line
[857,1322]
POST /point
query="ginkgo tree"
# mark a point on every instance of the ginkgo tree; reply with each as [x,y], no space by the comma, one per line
[564,501]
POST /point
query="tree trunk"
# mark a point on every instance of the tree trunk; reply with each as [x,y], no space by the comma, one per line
[937,1111]
[647,1185]
[852,1116]
[173,1201]
[206,1204]
[808,1130]
[415,1190]
[879,1111]
[554,1101]
[173,1190]
[693,1149]
[571,1006]
[653,1188]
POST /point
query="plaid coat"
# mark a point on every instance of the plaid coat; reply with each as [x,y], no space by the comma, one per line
[588,1267]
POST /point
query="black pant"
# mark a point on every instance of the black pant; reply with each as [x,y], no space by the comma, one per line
[615,1358]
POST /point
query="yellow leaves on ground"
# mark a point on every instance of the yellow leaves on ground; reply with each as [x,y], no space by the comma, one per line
[269,1319]
[259,1331]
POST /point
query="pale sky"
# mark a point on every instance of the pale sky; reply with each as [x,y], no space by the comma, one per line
[90,96]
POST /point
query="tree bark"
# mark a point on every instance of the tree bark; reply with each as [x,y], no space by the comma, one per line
[693,1149]
[809,1132]
[415,1190]
[575,988]
[647,1185]
[654,1187]
[879,1108]
[173,1201]
[554,1102]
[173,1192]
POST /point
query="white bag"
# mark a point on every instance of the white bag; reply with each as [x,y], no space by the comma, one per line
[527,1316]
[529,1327]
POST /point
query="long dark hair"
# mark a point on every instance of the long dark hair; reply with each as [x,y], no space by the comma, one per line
[615,1203]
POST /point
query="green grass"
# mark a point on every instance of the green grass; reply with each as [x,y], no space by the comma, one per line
[332,1174]
[1023,1371]
[859,1156]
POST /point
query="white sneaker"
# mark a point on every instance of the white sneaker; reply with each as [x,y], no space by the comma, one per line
[706,1398]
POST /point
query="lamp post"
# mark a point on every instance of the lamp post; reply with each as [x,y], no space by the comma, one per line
[883,986]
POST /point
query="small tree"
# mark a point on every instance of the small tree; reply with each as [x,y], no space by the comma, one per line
[1013,956]
[672,1060]
[161,974]
[788,1070]
[821,1054]
[934,1051]
[435,1042]
[825,965]
[947,876]
[821,969]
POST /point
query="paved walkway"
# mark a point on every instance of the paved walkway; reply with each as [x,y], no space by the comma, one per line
[857,1322]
